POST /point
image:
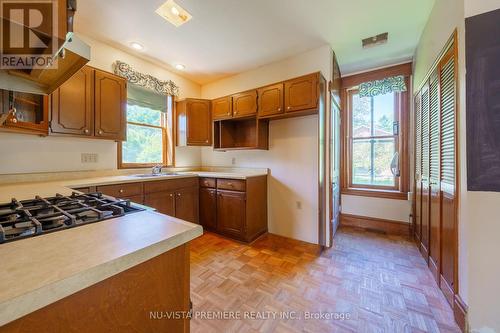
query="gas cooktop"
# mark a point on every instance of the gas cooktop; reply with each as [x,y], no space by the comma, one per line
[28,218]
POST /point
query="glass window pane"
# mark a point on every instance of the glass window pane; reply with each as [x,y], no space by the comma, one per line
[361,162]
[383,114]
[371,162]
[143,145]
[361,116]
[384,150]
[143,115]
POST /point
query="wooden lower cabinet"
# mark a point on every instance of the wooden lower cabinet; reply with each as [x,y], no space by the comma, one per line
[163,202]
[231,213]
[125,302]
[186,204]
[240,212]
[173,197]
[208,204]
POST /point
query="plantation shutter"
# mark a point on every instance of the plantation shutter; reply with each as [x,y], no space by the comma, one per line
[448,96]
[418,137]
[425,133]
[434,127]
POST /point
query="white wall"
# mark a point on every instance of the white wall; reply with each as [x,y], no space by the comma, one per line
[388,209]
[293,152]
[479,222]
[20,153]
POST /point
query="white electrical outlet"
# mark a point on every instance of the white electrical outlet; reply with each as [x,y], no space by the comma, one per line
[233,161]
[90,157]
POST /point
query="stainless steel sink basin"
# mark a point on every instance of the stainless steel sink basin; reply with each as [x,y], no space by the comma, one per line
[147,175]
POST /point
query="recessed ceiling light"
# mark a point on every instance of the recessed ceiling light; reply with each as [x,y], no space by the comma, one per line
[173,13]
[180,67]
[136,46]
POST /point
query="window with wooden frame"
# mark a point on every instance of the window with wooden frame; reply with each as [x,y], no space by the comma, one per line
[375,151]
[149,130]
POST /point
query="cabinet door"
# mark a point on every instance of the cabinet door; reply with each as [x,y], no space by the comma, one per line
[208,208]
[222,108]
[73,105]
[31,112]
[271,100]
[231,212]
[302,93]
[186,204]
[163,202]
[199,123]
[245,104]
[110,106]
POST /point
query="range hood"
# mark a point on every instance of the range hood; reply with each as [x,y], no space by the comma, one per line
[71,57]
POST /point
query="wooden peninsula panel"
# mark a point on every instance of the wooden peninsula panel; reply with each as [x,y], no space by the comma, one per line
[126,302]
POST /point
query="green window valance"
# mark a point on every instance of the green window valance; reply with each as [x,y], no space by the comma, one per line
[381,87]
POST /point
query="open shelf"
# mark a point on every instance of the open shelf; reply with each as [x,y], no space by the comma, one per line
[241,134]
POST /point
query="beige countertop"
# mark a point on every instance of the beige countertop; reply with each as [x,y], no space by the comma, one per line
[40,270]
[28,190]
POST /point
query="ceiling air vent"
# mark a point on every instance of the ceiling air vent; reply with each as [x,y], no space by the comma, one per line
[375,40]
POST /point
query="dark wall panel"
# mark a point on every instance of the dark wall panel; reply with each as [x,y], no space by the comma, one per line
[482,39]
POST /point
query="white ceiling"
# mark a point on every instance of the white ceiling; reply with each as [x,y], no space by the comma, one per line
[226,37]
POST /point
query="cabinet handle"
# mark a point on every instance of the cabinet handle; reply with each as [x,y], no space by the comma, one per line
[229,184]
[279,109]
[289,108]
[206,141]
[171,195]
[121,191]
[100,132]
[86,131]
[178,194]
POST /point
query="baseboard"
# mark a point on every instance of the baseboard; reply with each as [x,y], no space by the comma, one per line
[434,270]
[371,223]
[447,290]
[460,312]
[424,252]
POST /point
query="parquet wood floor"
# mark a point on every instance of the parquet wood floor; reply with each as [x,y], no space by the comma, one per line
[381,282]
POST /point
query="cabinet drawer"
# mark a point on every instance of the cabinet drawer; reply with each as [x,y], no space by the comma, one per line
[169,185]
[122,190]
[207,182]
[231,184]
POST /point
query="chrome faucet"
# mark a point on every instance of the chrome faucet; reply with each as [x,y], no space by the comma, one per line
[156,169]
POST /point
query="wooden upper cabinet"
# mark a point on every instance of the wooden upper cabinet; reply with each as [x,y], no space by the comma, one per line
[110,106]
[302,93]
[270,100]
[222,108]
[194,123]
[72,110]
[245,104]
[31,112]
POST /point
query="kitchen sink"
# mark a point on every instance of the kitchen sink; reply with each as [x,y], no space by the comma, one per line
[147,175]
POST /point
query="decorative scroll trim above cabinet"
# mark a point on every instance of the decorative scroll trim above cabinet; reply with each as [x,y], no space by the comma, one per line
[145,80]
